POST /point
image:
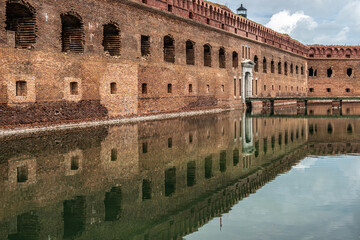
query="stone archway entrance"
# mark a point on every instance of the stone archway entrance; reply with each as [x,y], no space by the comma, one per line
[247,79]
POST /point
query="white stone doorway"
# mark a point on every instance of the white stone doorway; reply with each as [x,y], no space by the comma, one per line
[247,79]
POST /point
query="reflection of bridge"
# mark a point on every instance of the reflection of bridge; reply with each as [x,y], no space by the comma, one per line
[300,98]
[268,104]
[302,116]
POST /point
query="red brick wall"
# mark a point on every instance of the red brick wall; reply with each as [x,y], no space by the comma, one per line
[338,82]
[51,70]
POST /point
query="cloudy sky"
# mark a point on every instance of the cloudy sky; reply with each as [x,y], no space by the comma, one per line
[309,21]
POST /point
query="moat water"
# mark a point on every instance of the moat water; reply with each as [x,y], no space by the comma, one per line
[289,175]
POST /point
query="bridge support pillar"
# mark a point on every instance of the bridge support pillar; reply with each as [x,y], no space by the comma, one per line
[337,107]
[248,107]
[301,106]
[268,107]
[300,103]
[272,106]
[266,104]
[337,104]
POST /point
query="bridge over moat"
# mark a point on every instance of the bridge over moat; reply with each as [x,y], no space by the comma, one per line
[301,102]
[301,98]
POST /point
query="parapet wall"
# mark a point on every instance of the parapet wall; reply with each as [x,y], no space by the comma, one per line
[220,16]
[333,52]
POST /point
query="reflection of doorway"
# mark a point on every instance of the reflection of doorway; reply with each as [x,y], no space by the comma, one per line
[248,85]
[248,130]
[247,142]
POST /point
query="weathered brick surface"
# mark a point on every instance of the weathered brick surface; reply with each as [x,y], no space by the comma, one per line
[51,112]
[339,82]
[49,71]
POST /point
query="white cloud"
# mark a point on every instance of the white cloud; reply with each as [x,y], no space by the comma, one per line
[350,13]
[342,35]
[306,163]
[340,38]
[285,22]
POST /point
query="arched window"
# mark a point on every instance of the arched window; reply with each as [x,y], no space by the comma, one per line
[222,60]
[285,69]
[349,72]
[272,66]
[207,55]
[21,20]
[235,60]
[111,39]
[190,53]
[279,67]
[329,72]
[256,61]
[169,49]
[297,69]
[72,34]
[311,72]
[264,66]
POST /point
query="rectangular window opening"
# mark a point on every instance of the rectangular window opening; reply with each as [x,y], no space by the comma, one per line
[113,88]
[113,154]
[145,45]
[75,163]
[21,88]
[144,88]
[22,174]
[74,88]
[145,147]
[169,8]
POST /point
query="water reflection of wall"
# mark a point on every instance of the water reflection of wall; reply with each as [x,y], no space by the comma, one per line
[329,136]
[326,109]
[154,179]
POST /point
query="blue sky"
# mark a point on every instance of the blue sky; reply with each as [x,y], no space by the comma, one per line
[309,21]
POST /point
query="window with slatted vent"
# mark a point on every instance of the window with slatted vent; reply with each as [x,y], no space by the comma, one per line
[21,19]
[169,49]
[72,35]
[111,39]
